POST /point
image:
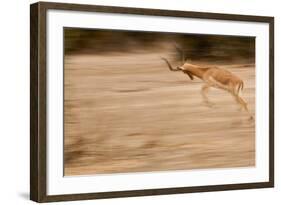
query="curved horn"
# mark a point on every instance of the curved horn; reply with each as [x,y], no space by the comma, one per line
[181,52]
[170,66]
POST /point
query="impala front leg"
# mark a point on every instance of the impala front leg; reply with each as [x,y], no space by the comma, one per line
[204,90]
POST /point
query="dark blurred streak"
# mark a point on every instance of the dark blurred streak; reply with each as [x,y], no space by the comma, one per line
[134,134]
[195,46]
[132,90]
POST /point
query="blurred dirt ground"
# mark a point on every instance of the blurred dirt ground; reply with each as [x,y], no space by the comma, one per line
[129,113]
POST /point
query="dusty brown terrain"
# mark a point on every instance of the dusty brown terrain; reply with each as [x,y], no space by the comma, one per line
[129,113]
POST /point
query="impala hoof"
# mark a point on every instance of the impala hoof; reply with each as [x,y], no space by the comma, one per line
[208,104]
[251,118]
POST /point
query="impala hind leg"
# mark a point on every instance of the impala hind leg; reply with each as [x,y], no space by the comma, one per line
[204,90]
[242,102]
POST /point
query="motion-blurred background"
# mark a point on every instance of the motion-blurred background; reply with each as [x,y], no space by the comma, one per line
[196,47]
[125,111]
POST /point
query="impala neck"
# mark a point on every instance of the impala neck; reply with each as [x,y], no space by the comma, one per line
[195,70]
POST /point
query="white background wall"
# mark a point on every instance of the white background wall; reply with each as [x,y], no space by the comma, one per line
[14,101]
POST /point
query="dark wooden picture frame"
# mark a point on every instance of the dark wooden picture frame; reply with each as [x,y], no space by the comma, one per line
[38,101]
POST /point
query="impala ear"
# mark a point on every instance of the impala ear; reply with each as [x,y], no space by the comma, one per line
[188,60]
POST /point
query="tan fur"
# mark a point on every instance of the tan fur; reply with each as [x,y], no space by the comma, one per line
[216,77]
[219,78]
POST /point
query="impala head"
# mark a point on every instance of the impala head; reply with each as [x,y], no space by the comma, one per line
[181,66]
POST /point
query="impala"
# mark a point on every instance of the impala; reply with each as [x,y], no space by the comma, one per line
[213,76]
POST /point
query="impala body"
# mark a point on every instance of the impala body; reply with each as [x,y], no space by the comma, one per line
[216,77]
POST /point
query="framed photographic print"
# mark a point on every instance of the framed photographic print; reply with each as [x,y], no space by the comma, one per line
[134,102]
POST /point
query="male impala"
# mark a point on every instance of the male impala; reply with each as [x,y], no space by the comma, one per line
[213,76]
